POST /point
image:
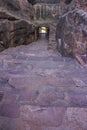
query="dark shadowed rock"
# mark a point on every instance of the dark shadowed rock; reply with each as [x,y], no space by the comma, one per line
[18,8]
[15,26]
[1,95]
[48,1]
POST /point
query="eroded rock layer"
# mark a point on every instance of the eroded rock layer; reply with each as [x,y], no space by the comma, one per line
[15,25]
[72,30]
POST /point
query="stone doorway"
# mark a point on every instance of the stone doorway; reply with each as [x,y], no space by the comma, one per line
[42,32]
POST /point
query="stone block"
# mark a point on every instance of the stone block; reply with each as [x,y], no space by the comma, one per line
[51,116]
[9,110]
[75,99]
[77,118]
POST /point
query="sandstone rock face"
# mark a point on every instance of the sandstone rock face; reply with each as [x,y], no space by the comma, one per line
[72,30]
[81,4]
[15,26]
[18,8]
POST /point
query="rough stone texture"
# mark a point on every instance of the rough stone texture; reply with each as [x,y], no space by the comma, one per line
[52,35]
[77,118]
[72,31]
[81,4]
[11,124]
[17,8]
[9,110]
[42,116]
[46,12]
[49,98]
[41,90]
[28,95]
[31,82]
[76,99]
[15,26]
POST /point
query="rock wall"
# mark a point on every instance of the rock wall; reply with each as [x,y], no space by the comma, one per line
[46,12]
[72,31]
[17,8]
[81,4]
[15,25]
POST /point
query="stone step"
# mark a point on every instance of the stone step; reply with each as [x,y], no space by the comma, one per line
[54,118]
[45,64]
[45,119]
[35,81]
[45,91]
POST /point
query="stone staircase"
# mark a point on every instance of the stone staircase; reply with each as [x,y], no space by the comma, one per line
[40,90]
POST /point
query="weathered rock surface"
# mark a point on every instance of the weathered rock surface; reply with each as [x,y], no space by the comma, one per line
[18,8]
[81,4]
[15,26]
[40,90]
[72,31]
[42,116]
